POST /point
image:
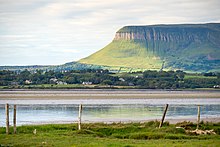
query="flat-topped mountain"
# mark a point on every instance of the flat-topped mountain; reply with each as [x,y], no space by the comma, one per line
[189,47]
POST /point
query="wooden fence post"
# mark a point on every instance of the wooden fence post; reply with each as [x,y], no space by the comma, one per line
[80,115]
[164,114]
[14,119]
[198,117]
[7,117]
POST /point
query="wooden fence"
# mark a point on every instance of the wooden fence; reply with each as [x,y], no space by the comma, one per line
[80,117]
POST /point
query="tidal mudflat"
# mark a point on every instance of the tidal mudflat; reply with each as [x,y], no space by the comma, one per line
[100,94]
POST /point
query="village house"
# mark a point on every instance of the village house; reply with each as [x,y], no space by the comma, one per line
[87,83]
[121,79]
[216,86]
[28,82]
[54,80]
[61,83]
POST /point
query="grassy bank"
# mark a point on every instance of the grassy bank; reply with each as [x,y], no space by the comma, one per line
[69,86]
[132,134]
[98,86]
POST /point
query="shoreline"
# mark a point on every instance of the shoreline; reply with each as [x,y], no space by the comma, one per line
[171,121]
[111,89]
[106,94]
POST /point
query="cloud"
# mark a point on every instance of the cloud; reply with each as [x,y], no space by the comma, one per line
[72,29]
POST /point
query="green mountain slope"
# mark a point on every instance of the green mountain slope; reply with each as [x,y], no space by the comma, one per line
[125,53]
[191,47]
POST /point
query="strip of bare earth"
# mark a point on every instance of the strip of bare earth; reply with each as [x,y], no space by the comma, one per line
[104,94]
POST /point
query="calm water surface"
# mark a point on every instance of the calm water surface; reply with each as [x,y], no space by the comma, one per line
[107,110]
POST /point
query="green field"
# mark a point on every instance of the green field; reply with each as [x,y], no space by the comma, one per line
[99,134]
[189,76]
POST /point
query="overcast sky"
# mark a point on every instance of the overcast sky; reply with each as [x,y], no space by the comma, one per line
[46,32]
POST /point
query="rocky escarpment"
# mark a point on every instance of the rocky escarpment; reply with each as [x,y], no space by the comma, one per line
[164,32]
[194,47]
[171,33]
[153,34]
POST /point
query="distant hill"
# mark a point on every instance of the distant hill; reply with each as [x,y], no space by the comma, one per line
[189,47]
[64,67]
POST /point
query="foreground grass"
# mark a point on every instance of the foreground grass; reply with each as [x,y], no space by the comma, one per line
[133,134]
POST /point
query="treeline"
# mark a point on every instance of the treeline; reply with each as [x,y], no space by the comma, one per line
[51,77]
[147,79]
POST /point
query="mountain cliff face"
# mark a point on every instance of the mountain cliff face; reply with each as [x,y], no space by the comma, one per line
[192,47]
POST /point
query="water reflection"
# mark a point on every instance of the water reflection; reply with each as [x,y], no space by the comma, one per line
[67,113]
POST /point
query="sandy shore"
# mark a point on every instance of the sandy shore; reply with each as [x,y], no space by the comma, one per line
[105,94]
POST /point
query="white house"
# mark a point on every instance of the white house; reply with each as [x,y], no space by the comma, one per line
[61,83]
[27,82]
[87,83]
